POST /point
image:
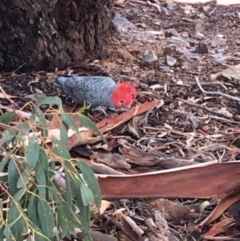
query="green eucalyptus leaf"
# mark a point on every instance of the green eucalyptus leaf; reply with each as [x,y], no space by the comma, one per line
[13,177]
[9,134]
[23,179]
[19,194]
[8,233]
[2,224]
[7,117]
[45,217]
[60,149]
[70,217]
[64,134]
[69,191]
[1,232]
[87,196]
[15,217]
[85,210]
[38,235]
[63,221]
[3,163]
[43,100]
[44,205]
[32,210]
[39,98]
[91,180]
[42,120]
[43,160]
[56,193]
[23,127]
[41,181]
[87,237]
[33,150]
[71,123]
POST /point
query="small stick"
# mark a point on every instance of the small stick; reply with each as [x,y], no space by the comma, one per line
[5,95]
[204,108]
[216,92]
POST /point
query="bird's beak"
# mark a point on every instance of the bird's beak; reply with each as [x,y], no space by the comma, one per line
[127,106]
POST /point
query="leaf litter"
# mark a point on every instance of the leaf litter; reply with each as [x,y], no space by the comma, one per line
[177,148]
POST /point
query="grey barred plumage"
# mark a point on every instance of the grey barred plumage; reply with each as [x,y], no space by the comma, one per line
[96,90]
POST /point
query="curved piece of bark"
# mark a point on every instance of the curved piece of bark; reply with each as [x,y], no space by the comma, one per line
[205,180]
[45,34]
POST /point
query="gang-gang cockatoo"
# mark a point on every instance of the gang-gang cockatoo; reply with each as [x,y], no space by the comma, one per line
[98,91]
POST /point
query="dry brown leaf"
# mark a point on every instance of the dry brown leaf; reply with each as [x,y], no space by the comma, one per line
[111,123]
[223,205]
[104,206]
[219,227]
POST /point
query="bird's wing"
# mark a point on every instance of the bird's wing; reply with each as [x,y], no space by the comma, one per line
[90,89]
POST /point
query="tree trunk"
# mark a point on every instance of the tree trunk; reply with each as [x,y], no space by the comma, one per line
[45,34]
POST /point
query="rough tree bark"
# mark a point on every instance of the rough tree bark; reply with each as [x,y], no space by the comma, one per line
[45,34]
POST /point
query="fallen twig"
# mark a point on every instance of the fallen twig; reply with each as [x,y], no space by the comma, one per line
[6,96]
[204,108]
[223,119]
[216,92]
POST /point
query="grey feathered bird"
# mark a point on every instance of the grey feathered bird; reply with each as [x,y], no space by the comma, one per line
[98,91]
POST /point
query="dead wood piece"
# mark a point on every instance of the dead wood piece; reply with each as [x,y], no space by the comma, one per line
[124,227]
[172,162]
[130,226]
[112,160]
[137,156]
[100,168]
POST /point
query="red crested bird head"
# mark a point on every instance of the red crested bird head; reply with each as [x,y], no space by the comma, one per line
[124,95]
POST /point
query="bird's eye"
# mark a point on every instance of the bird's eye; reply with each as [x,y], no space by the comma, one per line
[121,101]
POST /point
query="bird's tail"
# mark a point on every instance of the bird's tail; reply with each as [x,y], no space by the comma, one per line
[60,81]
